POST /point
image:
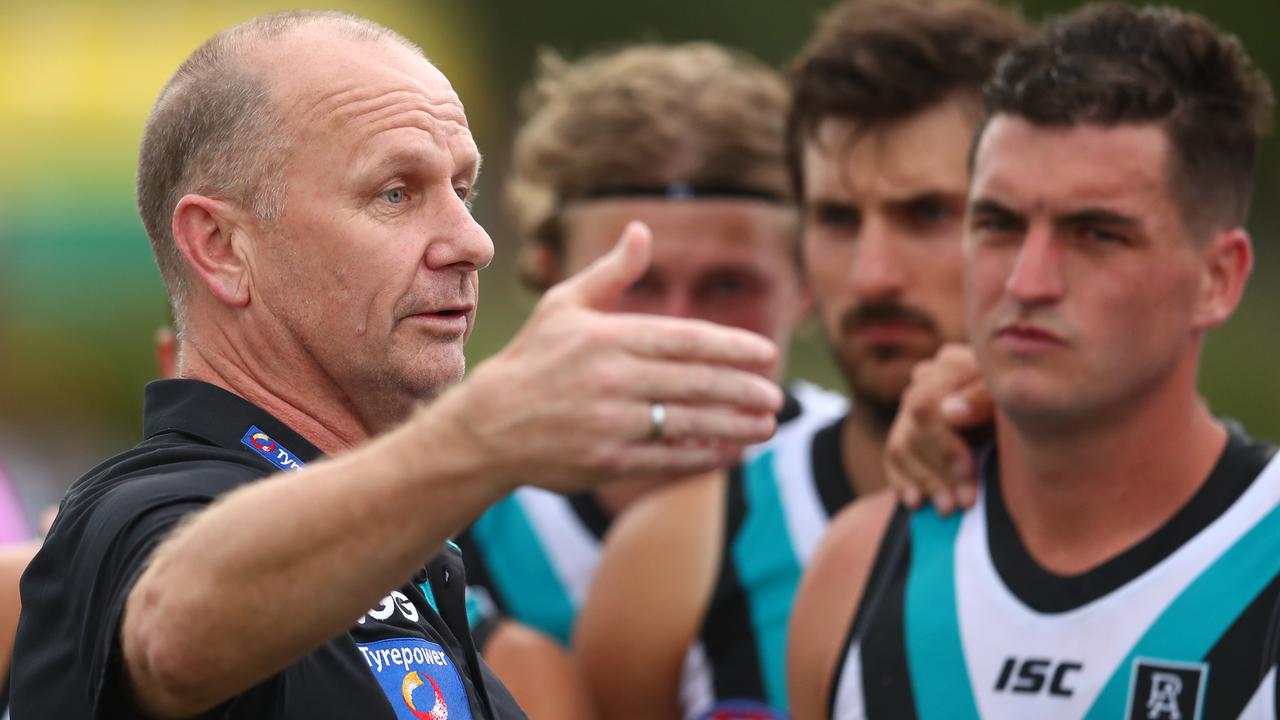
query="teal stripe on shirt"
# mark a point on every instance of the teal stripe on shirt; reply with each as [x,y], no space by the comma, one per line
[1194,622]
[521,569]
[935,652]
[768,571]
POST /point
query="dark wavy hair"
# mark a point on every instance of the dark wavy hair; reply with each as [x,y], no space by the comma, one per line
[881,61]
[1112,64]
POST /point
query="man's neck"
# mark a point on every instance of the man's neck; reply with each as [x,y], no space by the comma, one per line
[1083,496]
[295,398]
[862,438]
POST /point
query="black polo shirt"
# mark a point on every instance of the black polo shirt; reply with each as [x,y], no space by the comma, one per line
[409,658]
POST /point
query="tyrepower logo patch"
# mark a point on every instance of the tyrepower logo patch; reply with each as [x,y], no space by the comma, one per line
[270,450]
[419,679]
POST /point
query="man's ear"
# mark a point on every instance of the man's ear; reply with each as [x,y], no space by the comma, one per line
[208,234]
[1227,262]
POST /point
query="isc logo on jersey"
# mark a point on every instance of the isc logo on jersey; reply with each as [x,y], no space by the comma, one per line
[741,710]
[270,450]
[419,680]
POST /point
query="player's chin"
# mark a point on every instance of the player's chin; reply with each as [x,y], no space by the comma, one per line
[434,369]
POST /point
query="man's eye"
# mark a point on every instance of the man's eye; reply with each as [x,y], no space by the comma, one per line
[995,224]
[1101,235]
[928,213]
[836,215]
[395,196]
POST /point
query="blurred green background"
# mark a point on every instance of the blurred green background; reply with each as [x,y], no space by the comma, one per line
[80,297]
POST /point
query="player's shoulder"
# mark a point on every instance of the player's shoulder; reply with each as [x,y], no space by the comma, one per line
[670,515]
[851,542]
[817,402]
[160,471]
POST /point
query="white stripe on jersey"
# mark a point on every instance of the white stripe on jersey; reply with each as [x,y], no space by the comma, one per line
[995,625]
[695,680]
[849,700]
[1262,706]
[571,547]
[793,465]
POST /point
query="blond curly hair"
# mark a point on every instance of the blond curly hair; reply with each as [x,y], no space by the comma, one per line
[646,116]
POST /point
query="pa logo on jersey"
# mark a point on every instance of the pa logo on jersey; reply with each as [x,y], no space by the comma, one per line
[1166,690]
[419,679]
[270,450]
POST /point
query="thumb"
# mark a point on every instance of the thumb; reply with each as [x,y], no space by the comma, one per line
[969,406]
[600,284]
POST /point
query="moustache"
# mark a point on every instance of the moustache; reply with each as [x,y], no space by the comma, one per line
[883,313]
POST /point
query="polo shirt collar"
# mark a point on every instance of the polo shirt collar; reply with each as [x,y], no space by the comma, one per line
[220,417]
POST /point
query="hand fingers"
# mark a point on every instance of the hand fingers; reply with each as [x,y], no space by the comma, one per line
[953,368]
[686,423]
[694,340]
[674,460]
[968,406]
[910,478]
[696,384]
[601,283]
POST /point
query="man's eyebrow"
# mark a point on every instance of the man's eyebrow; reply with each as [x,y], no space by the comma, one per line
[1097,216]
[411,157]
[824,203]
[925,196]
[988,206]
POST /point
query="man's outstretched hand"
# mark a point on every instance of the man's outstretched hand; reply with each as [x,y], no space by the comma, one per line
[568,403]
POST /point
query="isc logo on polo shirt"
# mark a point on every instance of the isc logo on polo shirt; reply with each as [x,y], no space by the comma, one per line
[419,679]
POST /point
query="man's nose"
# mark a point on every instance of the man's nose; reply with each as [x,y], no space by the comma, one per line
[1036,276]
[458,241]
[678,304]
[876,269]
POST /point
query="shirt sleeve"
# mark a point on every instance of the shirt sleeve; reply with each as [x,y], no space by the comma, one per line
[68,656]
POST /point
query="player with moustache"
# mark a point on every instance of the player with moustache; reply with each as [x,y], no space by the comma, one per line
[1122,557]
[276,546]
[885,102]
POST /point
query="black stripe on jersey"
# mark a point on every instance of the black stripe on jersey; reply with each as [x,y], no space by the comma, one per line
[726,630]
[1233,679]
[591,513]
[791,409]
[477,570]
[1046,592]
[830,476]
[886,682]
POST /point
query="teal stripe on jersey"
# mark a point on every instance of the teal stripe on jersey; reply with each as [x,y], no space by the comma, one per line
[1188,629]
[768,572]
[935,652]
[519,566]
[425,587]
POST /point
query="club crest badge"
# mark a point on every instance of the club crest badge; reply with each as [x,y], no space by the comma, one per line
[1166,690]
